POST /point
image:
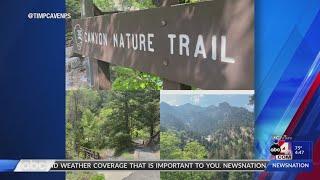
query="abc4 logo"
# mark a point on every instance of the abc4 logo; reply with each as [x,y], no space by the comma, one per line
[281,148]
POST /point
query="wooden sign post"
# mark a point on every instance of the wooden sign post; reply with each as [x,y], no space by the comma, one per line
[98,71]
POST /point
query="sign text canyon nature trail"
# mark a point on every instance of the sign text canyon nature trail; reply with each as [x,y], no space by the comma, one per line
[208,45]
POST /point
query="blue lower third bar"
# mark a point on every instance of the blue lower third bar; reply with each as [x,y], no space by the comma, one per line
[290,165]
[8,165]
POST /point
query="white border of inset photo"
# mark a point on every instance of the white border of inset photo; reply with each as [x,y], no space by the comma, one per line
[207,92]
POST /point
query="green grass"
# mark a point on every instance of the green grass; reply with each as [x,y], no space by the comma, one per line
[84,176]
[127,155]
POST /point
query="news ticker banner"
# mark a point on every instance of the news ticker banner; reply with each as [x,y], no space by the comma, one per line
[32,165]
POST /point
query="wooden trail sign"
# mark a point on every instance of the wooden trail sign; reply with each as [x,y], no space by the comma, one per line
[208,45]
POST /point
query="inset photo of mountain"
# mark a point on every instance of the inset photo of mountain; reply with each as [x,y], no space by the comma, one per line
[206,125]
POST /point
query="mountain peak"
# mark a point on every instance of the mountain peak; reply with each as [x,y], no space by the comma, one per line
[224,105]
[188,104]
[164,104]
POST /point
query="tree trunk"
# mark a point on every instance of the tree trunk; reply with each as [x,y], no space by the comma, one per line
[151,131]
[74,123]
[126,114]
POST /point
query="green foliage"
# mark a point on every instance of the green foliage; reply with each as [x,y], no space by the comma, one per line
[69,142]
[97,177]
[240,176]
[127,155]
[120,141]
[229,143]
[81,107]
[129,79]
[194,150]
[100,119]
[237,143]
[132,111]
[105,5]
[84,176]
[92,125]
[122,5]
[140,134]
[169,146]
[118,122]
[73,7]
[142,4]
[206,175]
[188,175]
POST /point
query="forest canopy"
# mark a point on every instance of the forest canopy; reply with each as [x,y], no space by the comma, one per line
[111,120]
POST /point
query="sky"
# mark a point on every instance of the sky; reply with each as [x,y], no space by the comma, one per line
[207,99]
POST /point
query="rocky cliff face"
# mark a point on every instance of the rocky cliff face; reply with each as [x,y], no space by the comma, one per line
[76,71]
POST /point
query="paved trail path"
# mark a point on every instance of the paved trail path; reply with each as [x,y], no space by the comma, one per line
[140,153]
[145,154]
